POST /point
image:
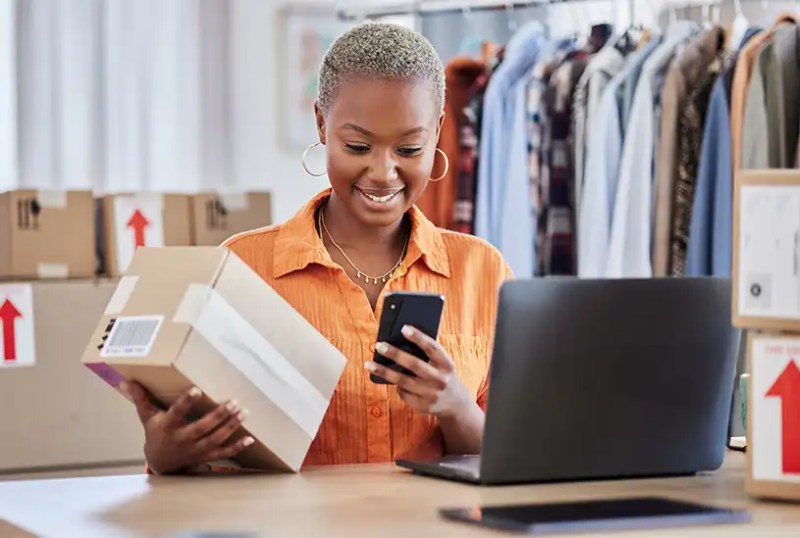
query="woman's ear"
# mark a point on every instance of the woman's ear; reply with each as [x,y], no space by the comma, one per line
[439,125]
[320,122]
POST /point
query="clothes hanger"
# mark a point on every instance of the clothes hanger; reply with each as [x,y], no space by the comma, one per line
[510,17]
[739,26]
[472,44]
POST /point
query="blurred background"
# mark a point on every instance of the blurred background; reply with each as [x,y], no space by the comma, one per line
[183,95]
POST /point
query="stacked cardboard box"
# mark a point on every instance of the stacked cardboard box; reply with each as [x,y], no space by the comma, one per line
[766,302]
[52,244]
[184,317]
[53,414]
[46,234]
[217,216]
[129,221]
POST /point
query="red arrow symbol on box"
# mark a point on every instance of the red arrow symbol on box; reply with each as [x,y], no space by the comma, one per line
[138,222]
[787,388]
[8,319]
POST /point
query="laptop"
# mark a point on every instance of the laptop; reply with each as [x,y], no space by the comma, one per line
[603,379]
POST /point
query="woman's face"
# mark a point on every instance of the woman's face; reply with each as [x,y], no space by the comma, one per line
[380,137]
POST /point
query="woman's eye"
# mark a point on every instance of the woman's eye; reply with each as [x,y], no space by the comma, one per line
[408,152]
[357,148]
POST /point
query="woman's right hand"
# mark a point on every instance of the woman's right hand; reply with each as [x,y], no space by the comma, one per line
[173,444]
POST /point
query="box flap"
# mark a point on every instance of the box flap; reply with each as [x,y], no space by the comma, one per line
[137,327]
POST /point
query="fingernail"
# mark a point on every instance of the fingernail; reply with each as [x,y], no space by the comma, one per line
[248,441]
[232,406]
[407,331]
[194,392]
[381,347]
[242,415]
[370,366]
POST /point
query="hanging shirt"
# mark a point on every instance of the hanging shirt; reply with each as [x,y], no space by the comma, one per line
[690,140]
[469,141]
[600,70]
[437,202]
[711,229]
[539,127]
[503,212]
[628,87]
[603,154]
[755,140]
[741,83]
[555,220]
[631,225]
[687,69]
[781,66]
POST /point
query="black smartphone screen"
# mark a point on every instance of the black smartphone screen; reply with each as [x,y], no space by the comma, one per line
[420,310]
[618,514]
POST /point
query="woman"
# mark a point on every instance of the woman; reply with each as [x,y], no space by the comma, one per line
[379,113]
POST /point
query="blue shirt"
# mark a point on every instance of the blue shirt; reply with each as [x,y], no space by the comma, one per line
[711,230]
[503,212]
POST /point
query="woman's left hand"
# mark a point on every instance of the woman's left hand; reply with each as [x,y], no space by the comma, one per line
[437,389]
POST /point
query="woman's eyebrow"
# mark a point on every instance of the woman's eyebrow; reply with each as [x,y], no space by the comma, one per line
[353,127]
[356,128]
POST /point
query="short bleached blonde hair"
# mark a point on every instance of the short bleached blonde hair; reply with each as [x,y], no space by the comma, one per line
[380,51]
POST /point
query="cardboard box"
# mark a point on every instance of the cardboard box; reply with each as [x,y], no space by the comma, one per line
[773,416]
[53,414]
[766,250]
[141,219]
[217,216]
[200,316]
[32,239]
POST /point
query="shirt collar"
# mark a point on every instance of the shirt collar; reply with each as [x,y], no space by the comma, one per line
[298,244]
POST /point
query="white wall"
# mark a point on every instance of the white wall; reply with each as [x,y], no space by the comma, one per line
[261,158]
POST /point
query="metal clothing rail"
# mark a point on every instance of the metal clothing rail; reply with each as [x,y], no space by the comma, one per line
[350,12]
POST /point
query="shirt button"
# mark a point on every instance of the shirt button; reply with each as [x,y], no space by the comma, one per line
[375,412]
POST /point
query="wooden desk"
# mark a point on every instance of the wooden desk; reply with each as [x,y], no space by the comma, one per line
[362,501]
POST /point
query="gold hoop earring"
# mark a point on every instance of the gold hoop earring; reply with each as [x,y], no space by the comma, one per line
[303,160]
[446,167]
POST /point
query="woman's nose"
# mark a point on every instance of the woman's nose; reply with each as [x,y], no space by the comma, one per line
[383,168]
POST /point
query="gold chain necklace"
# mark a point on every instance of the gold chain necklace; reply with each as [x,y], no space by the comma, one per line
[359,273]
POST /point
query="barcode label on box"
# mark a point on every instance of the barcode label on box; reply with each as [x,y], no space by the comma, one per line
[132,336]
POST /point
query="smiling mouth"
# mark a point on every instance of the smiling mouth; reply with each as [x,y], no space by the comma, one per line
[380,196]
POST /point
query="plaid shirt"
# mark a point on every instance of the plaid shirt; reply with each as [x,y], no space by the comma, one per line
[470,128]
[552,171]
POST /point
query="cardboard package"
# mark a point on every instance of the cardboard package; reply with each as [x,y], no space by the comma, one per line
[199,316]
[773,416]
[217,216]
[33,242]
[766,250]
[130,221]
[53,414]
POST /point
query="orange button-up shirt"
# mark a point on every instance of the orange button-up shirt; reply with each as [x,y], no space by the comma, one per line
[367,422]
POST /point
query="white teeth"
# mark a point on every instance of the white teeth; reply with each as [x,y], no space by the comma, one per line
[380,199]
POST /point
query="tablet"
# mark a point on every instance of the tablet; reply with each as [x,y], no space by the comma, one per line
[581,516]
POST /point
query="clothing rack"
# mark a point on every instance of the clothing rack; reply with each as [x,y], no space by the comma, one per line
[349,12]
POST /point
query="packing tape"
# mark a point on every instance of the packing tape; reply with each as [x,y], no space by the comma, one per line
[234,201]
[121,295]
[52,199]
[52,270]
[241,344]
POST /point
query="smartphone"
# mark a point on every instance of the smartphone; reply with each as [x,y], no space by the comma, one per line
[595,516]
[423,311]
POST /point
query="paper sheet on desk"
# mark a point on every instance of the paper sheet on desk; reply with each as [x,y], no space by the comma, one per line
[769,251]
